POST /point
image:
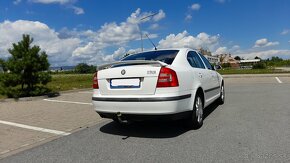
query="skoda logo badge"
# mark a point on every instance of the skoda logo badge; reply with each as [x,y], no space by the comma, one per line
[123,72]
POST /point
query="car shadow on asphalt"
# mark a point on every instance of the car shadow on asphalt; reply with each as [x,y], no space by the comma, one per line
[209,109]
[152,129]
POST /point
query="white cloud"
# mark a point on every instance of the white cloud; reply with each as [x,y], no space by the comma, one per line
[117,34]
[113,34]
[221,1]
[133,51]
[58,50]
[68,47]
[78,10]
[184,39]
[160,15]
[285,32]
[117,55]
[225,50]
[16,2]
[136,16]
[67,3]
[221,50]
[119,52]
[195,7]
[154,26]
[235,49]
[264,43]
[266,54]
[87,50]
[53,1]
[188,17]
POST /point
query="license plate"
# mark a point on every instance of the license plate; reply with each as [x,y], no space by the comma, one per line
[125,83]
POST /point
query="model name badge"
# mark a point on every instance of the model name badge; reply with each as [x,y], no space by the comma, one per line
[150,72]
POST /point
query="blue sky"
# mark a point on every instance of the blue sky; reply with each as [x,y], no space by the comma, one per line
[95,32]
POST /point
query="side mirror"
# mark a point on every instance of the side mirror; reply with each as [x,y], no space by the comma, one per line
[217,67]
[213,67]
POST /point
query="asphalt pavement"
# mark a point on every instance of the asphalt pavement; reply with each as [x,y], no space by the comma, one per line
[252,126]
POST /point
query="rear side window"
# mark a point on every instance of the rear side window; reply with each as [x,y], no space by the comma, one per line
[206,62]
[194,60]
[166,56]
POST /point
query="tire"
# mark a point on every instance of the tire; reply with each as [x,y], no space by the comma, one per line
[221,99]
[195,121]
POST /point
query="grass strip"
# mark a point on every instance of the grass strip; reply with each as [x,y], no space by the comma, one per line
[66,82]
[251,71]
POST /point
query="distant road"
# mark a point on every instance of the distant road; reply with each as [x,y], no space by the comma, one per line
[256,75]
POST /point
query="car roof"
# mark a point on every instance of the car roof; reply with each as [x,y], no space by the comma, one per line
[180,49]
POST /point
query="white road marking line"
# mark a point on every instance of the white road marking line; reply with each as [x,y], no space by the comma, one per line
[278,80]
[24,145]
[70,102]
[3,152]
[87,92]
[35,128]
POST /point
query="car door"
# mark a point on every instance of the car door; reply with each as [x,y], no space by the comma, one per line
[200,69]
[214,89]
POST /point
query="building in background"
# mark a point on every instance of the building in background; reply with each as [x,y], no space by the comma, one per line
[248,63]
[215,60]
[228,61]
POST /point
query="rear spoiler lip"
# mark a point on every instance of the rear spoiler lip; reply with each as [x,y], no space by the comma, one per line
[132,62]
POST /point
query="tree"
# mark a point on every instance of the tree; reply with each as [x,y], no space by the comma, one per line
[276,59]
[2,65]
[237,58]
[25,72]
[226,65]
[83,68]
[259,65]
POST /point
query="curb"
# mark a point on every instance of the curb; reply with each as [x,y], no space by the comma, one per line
[41,97]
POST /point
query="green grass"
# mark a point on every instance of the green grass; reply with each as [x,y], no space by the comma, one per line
[251,71]
[2,97]
[65,82]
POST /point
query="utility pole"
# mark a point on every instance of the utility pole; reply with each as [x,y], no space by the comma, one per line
[141,34]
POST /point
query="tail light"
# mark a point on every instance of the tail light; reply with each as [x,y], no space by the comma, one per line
[167,78]
[95,81]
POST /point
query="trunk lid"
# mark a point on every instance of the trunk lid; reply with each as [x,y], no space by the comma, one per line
[129,78]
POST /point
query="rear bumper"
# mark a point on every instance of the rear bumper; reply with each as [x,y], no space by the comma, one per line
[146,106]
[138,117]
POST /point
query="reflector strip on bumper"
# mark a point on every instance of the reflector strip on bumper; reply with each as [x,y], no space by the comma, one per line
[154,99]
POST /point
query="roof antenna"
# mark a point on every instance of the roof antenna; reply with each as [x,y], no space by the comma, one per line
[139,27]
[150,41]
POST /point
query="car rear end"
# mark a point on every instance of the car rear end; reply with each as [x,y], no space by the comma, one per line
[138,88]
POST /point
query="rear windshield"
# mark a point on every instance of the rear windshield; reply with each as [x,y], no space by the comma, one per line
[166,56]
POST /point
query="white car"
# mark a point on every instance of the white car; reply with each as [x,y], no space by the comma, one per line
[162,84]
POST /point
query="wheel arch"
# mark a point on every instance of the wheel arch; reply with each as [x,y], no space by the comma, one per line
[200,92]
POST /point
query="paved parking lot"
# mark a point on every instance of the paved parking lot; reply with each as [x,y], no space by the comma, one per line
[25,124]
[252,126]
